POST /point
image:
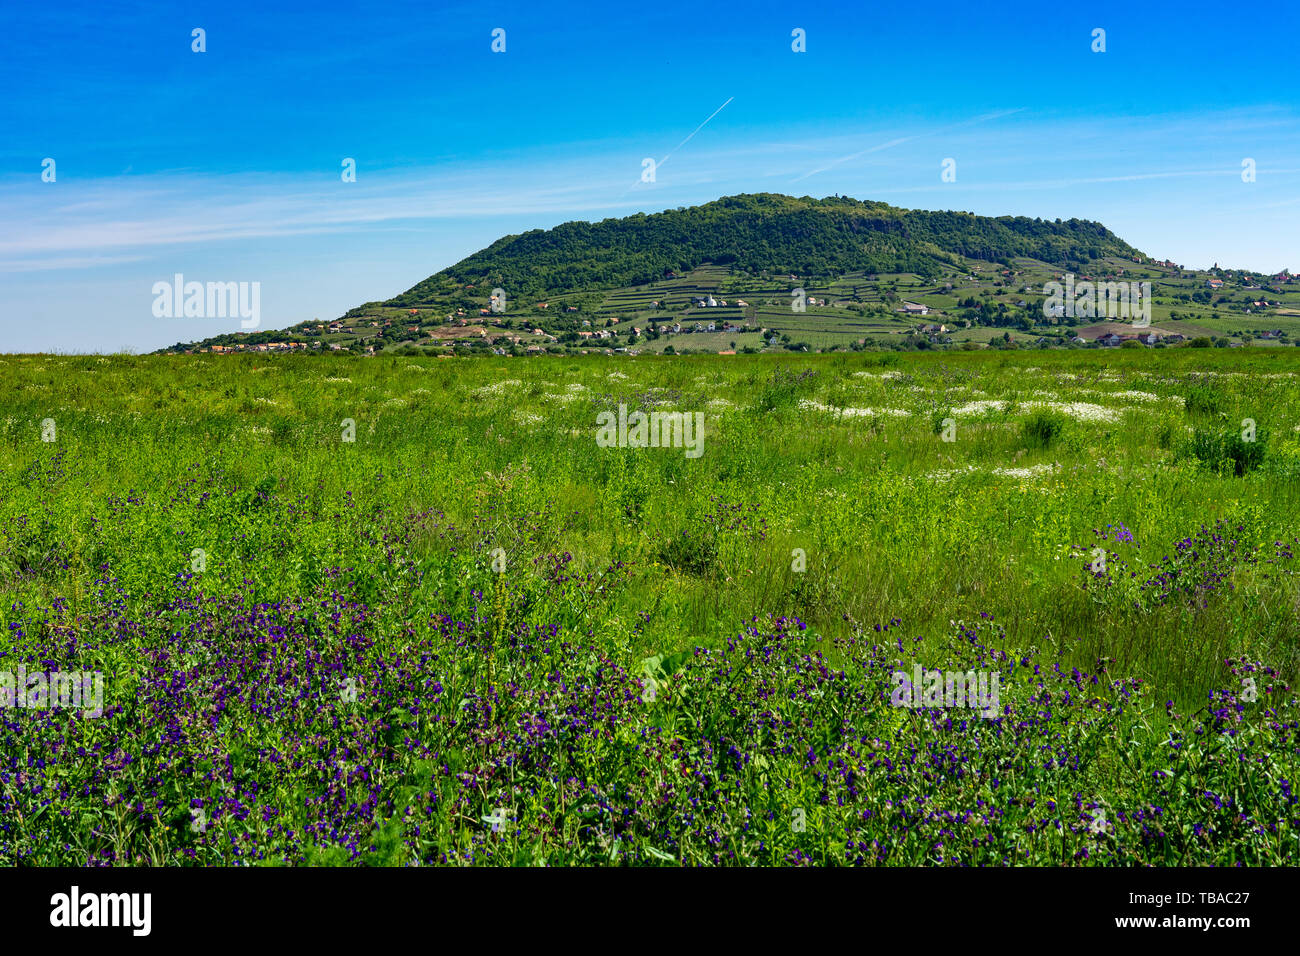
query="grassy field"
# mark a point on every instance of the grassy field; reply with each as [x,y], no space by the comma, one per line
[409,611]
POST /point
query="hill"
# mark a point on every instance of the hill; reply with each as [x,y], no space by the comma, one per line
[762,233]
[755,272]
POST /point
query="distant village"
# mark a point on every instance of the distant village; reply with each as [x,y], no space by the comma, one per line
[493,331]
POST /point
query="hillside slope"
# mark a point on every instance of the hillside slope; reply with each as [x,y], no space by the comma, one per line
[757,233]
[762,271]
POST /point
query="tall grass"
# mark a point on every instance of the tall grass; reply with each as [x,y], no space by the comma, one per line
[826,494]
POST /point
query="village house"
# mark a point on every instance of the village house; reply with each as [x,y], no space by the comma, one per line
[914,308]
[1214,283]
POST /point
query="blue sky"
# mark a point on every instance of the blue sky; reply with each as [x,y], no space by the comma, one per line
[225,165]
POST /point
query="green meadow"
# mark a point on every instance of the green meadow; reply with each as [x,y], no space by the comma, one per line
[402,610]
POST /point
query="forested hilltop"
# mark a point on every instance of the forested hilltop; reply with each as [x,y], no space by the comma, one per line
[763,232]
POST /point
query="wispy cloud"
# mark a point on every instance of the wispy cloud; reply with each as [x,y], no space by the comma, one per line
[65,262]
[900,140]
[163,212]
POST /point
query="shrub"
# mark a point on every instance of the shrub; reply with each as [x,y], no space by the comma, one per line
[1202,399]
[690,553]
[1231,451]
[785,388]
[1042,429]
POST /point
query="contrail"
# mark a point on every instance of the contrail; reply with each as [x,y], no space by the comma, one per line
[904,139]
[682,143]
[693,132]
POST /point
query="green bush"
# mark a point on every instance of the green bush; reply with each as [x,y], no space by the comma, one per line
[1202,399]
[785,388]
[1042,429]
[1230,451]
